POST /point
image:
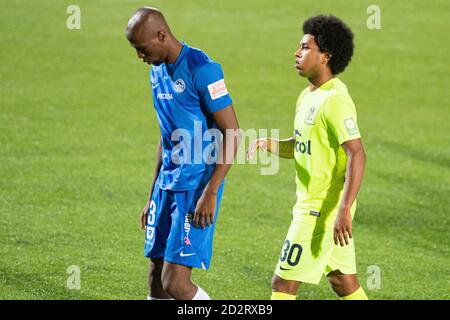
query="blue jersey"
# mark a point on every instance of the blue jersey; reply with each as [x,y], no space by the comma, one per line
[185,94]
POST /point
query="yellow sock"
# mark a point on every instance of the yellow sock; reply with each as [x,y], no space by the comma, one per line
[359,294]
[282,296]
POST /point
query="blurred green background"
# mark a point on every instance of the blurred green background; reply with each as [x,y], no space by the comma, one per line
[78,134]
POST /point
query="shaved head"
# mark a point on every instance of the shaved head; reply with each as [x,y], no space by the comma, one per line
[149,33]
[146,22]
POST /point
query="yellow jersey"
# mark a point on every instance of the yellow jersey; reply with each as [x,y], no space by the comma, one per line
[325,118]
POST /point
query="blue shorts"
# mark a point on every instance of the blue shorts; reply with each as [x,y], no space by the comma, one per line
[171,233]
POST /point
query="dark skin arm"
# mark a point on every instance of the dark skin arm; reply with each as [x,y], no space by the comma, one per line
[227,123]
[356,159]
[158,164]
[284,148]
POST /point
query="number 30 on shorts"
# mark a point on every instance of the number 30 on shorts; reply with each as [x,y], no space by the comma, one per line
[151,220]
[291,252]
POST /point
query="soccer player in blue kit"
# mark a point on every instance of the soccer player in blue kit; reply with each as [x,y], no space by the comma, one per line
[190,98]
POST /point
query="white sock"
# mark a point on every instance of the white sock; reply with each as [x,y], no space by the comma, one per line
[201,295]
[152,298]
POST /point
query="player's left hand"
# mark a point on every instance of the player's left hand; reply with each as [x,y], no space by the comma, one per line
[206,207]
[255,145]
[343,227]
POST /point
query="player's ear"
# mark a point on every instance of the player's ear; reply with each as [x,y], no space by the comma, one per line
[325,58]
[161,36]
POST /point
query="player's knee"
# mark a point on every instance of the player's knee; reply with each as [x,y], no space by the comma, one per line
[176,290]
[281,285]
[175,287]
[155,269]
[337,285]
[343,285]
[276,283]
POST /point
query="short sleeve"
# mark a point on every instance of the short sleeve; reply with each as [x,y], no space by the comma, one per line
[210,84]
[340,117]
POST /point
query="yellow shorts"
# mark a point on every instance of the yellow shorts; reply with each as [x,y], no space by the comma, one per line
[309,251]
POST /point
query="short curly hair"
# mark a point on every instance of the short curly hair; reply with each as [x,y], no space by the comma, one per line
[332,36]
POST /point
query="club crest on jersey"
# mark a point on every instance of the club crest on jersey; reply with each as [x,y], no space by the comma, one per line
[179,86]
[311,116]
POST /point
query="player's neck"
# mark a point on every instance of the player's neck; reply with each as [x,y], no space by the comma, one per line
[318,80]
[175,48]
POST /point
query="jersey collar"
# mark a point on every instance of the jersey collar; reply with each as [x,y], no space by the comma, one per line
[329,84]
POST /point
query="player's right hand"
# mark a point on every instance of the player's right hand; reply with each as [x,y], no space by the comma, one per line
[343,227]
[258,143]
[144,215]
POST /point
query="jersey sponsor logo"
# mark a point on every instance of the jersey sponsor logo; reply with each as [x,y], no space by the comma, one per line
[187,223]
[187,228]
[179,86]
[300,146]
[351,127]
[311,116]
[217,89]
[164,96]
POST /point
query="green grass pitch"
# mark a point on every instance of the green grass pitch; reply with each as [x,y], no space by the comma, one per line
[78,133]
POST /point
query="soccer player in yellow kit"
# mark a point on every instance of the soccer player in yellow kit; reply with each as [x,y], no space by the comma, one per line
[329,162]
